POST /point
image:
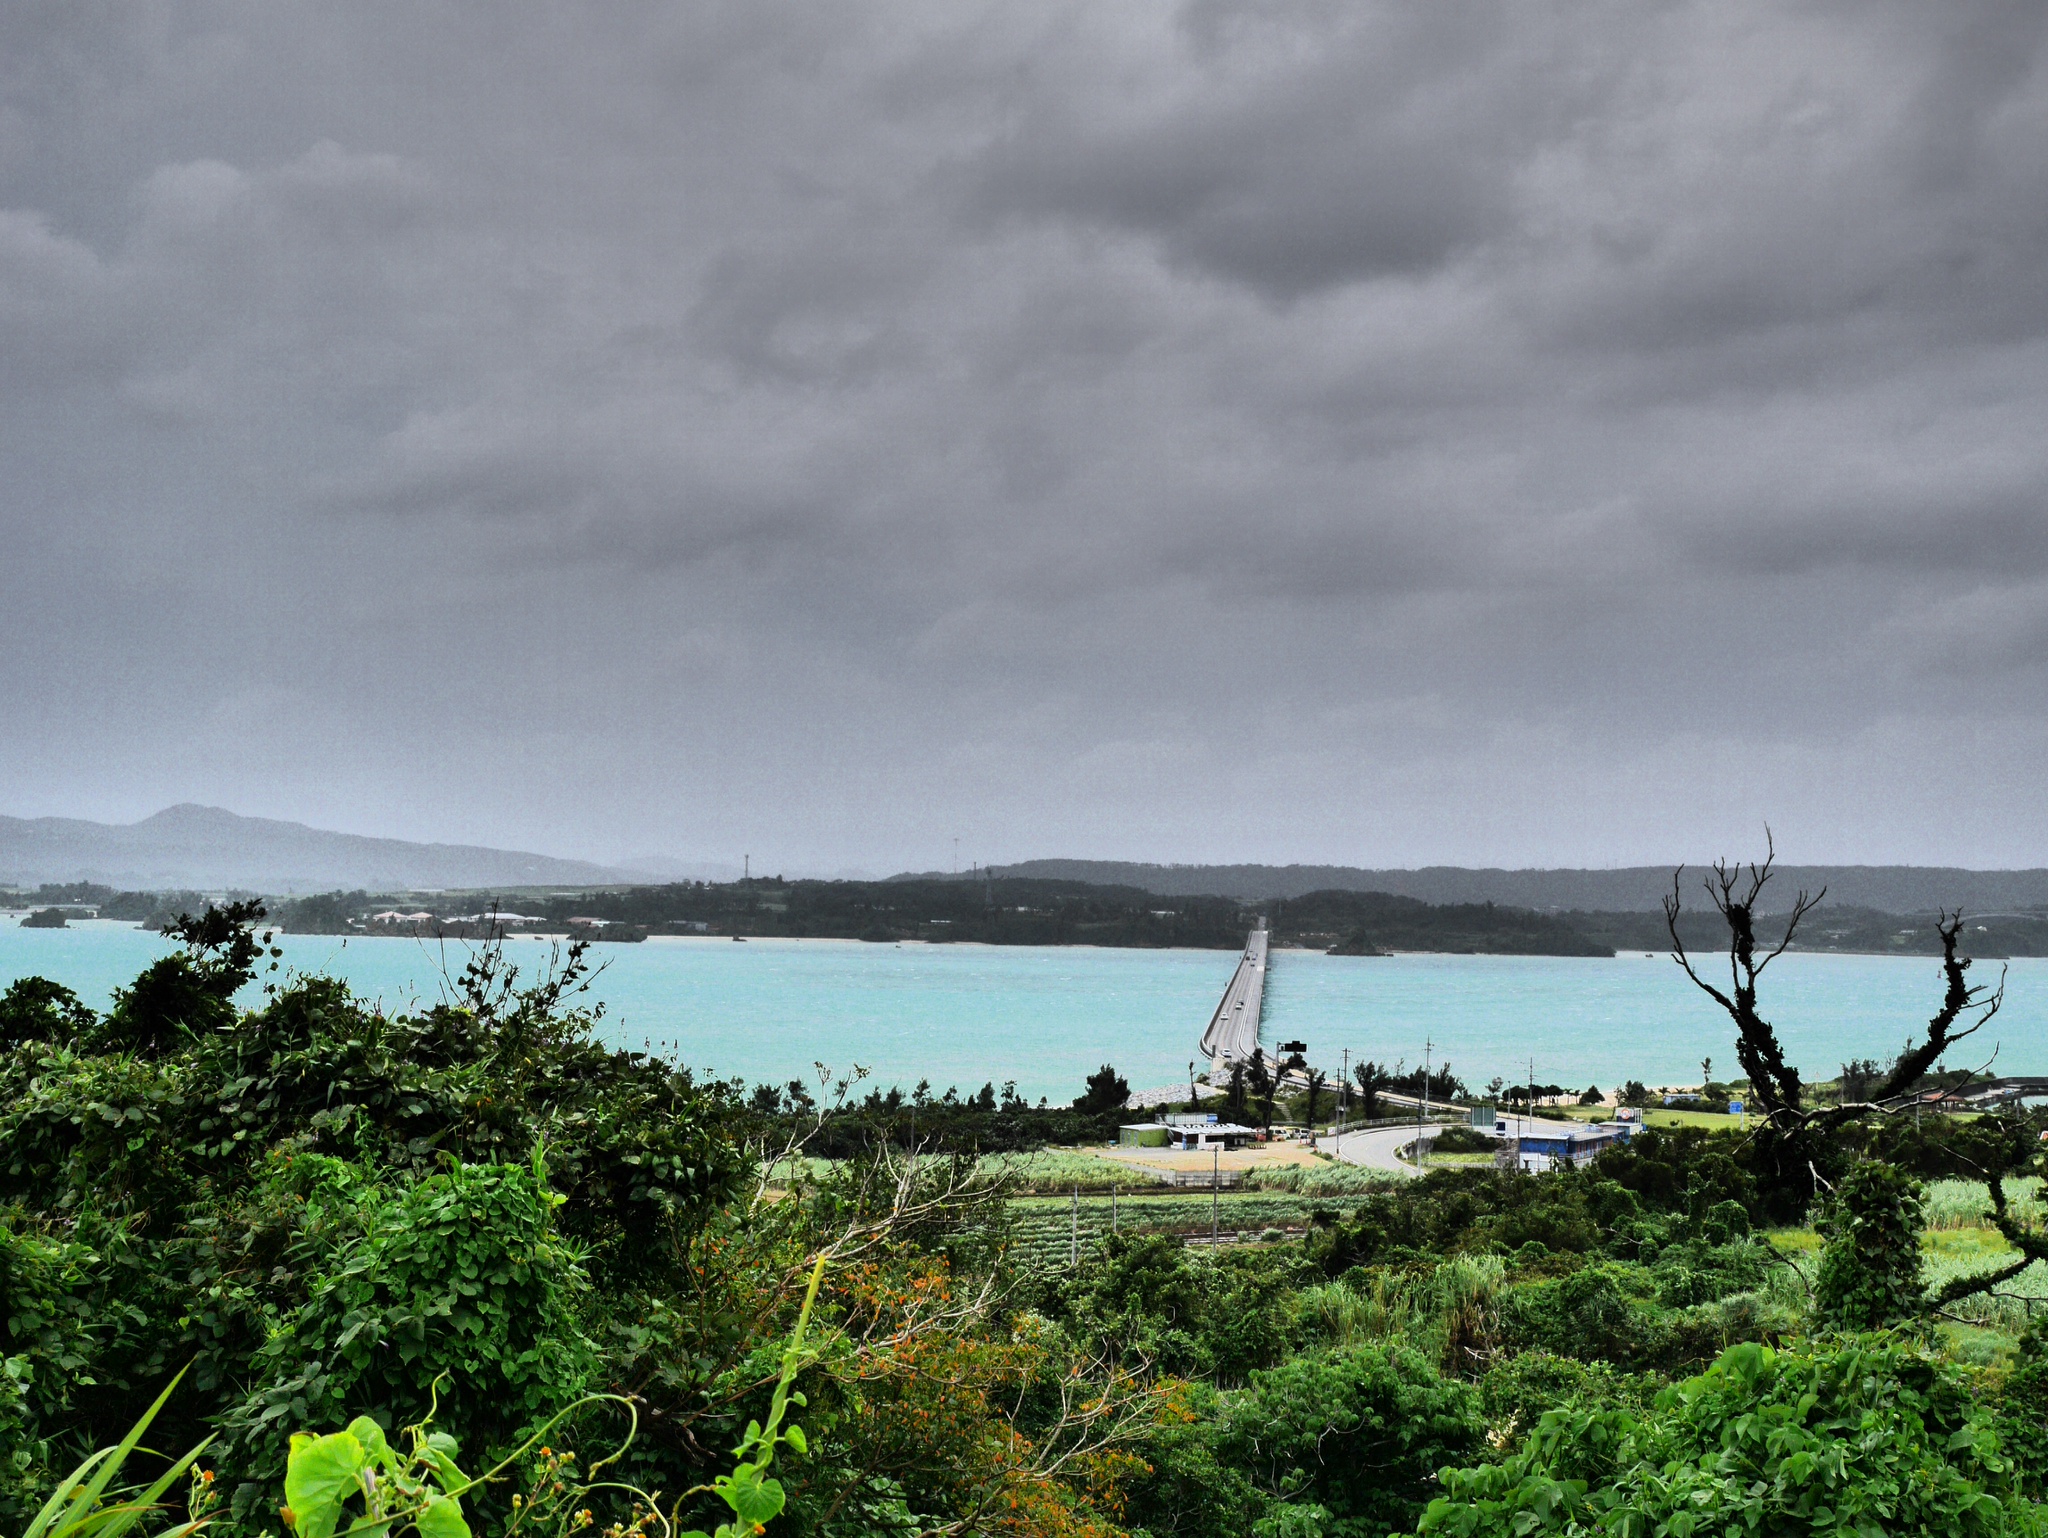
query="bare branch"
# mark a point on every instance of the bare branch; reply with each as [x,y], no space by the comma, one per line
[1801,906]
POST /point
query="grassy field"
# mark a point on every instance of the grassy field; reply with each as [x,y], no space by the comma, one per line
[1953,1245]
[1659,1117]
[1053,1171]
[1062,1171]
[1713,1120]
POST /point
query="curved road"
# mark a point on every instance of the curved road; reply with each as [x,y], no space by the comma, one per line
[1374,1149]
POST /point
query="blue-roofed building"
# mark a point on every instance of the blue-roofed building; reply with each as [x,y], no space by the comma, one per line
[1537,1145]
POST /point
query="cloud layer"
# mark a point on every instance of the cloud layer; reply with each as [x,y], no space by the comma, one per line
[1478,432]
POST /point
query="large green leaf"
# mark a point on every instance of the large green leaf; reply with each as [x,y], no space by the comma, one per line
[754,1498]
[442,1518]
[323,1472]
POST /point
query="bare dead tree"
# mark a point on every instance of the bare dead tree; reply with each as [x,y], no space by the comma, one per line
[1776,1085]
[1790,1131]
[1734,895]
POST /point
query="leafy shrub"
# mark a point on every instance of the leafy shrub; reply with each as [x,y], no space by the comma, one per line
[1463,1139]
[1870,1436]
[186,996]
[1148,1297]
[460,1289]
[24,1452]
[1688,1170]
[66,1331]
[2022,1409]
[1517,1391]
[36,1009]
[1191,1489]
[107,1132]
[420,1491]
[1599,1313]
[1693,1271]
[1871,1270]
[1348,1443]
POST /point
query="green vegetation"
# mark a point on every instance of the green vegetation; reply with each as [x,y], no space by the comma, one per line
[1833,927]
[1018,910]
[1006,912]
[467,1271]
[1847,1438]
[1058,1171]
[1000,911]
[1368,923]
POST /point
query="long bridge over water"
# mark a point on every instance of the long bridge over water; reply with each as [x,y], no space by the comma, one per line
[1233,1033]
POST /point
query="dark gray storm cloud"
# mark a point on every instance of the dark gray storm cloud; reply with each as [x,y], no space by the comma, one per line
[1468,432]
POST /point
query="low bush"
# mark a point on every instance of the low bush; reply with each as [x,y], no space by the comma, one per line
[1872,1435]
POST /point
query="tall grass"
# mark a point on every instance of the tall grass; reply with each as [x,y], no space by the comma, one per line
[1320,1179]
[1953,1204]
[1443,1312]
[1966,1252]
[1961,1242]
[1057,1170]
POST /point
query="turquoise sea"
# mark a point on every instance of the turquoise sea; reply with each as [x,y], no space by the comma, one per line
[767,1010]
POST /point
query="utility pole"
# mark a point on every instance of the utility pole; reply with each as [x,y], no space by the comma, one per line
[1422,1113]
[747,867]
[1215,1190]
[1528,1113]
[1344,1091]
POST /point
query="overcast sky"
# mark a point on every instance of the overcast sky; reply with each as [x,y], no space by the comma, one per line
[1317,430]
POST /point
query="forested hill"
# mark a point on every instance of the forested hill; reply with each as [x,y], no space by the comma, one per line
[1630,889]
[1361,923]
[1003,911]
[1013,911]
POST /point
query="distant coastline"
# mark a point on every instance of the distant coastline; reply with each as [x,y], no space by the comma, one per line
[1012,911]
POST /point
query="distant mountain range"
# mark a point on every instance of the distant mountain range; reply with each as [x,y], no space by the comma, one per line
[1629,889]
[208,849]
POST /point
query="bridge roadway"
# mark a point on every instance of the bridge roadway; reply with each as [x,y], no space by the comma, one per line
[1233,1033]
[1996,1091]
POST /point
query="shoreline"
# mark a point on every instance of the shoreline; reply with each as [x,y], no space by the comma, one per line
[10,918]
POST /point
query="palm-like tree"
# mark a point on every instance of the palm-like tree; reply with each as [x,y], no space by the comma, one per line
[1262,1085]
[1372,1079]
[1233,1097]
